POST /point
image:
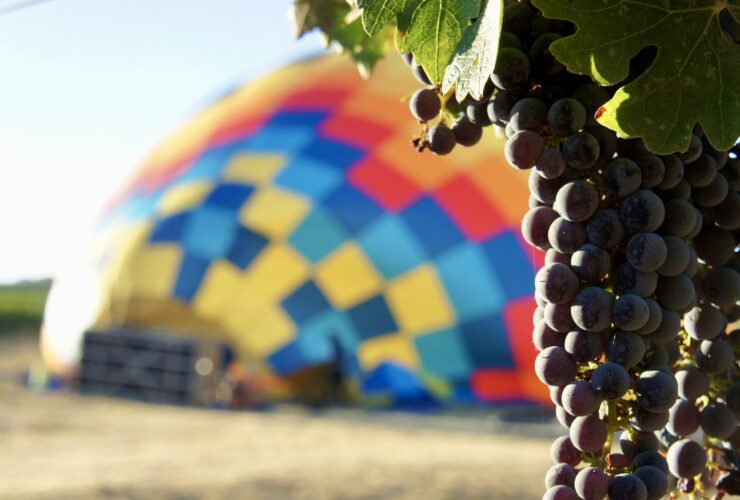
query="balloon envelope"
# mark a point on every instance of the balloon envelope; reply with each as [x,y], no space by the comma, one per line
[292,220]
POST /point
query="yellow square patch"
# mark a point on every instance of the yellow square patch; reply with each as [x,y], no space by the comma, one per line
[261,332]
[218,290]
[274,212]
[394,348]
[153,271]
[346,277]
[277,271]
[254,168]
[418,301]
[183,197]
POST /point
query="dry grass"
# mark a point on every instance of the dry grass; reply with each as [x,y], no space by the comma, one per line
[68,446]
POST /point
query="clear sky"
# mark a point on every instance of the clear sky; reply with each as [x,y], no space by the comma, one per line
[89,87]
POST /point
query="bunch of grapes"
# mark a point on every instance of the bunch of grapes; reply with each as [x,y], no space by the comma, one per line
[641,281]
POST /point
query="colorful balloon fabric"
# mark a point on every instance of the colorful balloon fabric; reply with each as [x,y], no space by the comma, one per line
[292,216]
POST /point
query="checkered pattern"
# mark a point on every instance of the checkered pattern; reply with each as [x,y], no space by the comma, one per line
[299,228]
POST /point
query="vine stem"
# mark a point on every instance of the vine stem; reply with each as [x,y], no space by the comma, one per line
[612,425]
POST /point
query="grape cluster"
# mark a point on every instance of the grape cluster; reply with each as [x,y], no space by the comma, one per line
[640,285]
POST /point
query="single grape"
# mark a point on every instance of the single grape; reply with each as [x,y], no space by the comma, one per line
[721,286]
[408,59]
[714,356]
[683,418]
[607,144]
[466,132]
[646,251]
[648,421]
[592,483]
[715,246]
[590,263]
[655,317]
[553,255]
[605,229]
[630,312]
[550,164]
[712,194]
[529,114]
[556,283]
[686,458]
[701,172]
[499,108]
[630,280]
[642,211]
[624,348]
[673,172]
[656,390]
[718,420]
[581,150]
[511,70]
[542,60]
[675,292]
[677,256]
[591,309]
[523,148]
[692,268]
[692,383]
[543,336]
[579,399]
[562,451]
[566,236]
[652,458]
[554,366]
[627,487]
[440,139]
[536,224]
[576,201]
[518,19]
[727,214]
[704,322]
[680,218]
[588,433]
[655,481]
[656,358]
[558,317]
[652,169]
[622,177]
[583,346]
[560,474]
[425,104]
[543,189]
[693,152]
[566,116]
[560,492]
[610,380]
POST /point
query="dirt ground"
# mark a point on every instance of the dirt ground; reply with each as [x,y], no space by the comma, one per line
[62,445]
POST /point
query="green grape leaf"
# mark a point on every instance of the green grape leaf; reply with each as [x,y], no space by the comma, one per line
[376,14]
[475,55]
[431,29]
[341,24]
[695,76]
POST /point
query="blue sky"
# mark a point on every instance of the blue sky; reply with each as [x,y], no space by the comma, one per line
[89,87]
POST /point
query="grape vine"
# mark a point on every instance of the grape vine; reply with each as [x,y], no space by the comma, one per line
[626,115]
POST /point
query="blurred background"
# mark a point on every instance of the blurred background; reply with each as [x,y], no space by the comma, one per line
[416,383]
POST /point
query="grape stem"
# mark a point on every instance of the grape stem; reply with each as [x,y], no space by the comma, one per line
[612,425]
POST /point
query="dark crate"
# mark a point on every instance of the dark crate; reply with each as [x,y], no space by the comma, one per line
[152,366]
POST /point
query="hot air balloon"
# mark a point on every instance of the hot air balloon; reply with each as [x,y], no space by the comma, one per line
[292,221]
